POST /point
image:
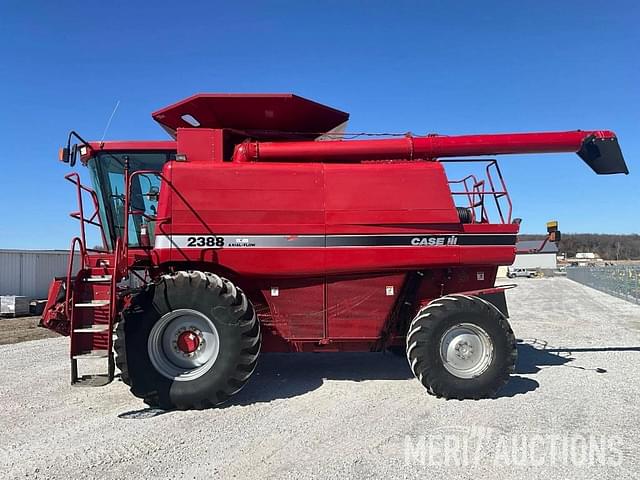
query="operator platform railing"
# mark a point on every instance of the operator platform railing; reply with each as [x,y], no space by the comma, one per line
[80,243]
[475,190]
[93,220]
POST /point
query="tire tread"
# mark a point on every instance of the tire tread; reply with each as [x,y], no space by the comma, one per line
[223,293]
[423,328]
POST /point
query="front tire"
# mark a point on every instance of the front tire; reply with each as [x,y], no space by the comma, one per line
[461,347]
[192,341]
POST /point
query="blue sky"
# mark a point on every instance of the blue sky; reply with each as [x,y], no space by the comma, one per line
[446,67]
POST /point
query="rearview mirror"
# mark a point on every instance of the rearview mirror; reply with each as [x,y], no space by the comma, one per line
[63,155]
[68,154]
[72,155]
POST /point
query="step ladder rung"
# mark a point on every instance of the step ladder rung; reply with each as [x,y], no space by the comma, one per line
[93,304]
[92,329]
[99,380]
[92,354]
[98,278]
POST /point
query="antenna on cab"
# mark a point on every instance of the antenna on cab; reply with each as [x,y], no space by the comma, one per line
[109,123]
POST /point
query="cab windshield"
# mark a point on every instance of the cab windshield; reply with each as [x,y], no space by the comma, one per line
[107,175]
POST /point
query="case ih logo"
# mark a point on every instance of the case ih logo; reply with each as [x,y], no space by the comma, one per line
[434,241]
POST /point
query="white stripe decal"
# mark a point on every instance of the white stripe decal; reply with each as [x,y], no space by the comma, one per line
[334,241]
[238,241]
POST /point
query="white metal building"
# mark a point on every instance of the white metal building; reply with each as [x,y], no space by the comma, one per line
[546,259]
[29,272]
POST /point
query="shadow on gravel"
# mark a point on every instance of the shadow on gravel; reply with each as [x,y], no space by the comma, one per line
[143,413]
[517,385]
[282,375]
[535,354]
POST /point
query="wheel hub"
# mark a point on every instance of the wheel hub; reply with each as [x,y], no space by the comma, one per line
[188,342]
[183,344]
[466,350]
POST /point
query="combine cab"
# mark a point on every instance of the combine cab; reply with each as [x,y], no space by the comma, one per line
[258,228]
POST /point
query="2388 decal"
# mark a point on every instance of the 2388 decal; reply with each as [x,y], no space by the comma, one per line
[205,241]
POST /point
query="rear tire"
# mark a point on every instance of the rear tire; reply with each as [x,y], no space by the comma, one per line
[217,311]
[461,347]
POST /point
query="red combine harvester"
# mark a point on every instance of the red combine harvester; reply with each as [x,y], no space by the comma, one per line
[253,231]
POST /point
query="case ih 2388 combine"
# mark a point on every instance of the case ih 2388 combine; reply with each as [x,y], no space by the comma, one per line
[250,232]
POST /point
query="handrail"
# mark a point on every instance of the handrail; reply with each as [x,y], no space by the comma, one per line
[466,192]
[479,191]
[476,192]
[68,293]
[118,258]
[74,178]
[503,193]
[70,261]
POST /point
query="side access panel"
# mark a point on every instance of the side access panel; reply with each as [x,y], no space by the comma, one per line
[357,308]
[297,308]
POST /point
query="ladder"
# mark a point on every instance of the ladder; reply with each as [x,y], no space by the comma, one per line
[92,312]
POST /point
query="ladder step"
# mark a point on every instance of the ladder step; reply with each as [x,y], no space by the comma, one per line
[98,278]
[92,354]
[99,380]
[92,329]
[93,304]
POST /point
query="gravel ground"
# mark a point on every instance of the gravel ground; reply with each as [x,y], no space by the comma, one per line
[570,412]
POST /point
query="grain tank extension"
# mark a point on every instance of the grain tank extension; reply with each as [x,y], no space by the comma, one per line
[257,227]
